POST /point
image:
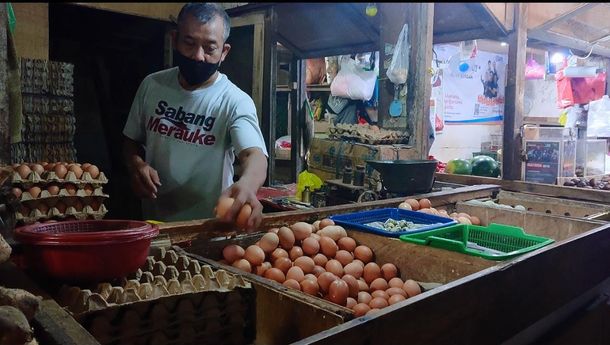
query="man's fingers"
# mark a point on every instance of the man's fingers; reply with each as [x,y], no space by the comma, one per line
[146,179]
[233,211]
[155,177]
[256,217]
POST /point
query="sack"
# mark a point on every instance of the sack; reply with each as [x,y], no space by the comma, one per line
[598,123]
[533,70]
[572,91]
[316,71]
[355,81]
[399,67]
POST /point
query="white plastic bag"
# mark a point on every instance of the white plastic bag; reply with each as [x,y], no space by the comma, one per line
[399,67]
[598,123]
[353,81]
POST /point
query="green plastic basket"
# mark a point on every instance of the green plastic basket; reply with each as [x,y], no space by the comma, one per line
[494,242]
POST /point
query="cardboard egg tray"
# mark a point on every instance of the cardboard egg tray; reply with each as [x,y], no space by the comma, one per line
[172,299]
[63,194]
[50,176]
[36,215]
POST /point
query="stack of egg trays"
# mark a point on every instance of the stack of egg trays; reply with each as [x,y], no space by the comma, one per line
[178,312]
[48,177]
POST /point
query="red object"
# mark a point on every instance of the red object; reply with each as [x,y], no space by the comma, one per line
[572,91]
[87,250]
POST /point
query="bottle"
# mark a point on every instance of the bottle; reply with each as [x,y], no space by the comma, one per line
[359,175]
[306,195]
[347,175]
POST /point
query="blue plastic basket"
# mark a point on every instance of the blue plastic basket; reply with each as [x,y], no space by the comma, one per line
[358,220]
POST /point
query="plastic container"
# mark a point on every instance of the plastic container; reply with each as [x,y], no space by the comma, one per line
[358,220]
[406,177]
[494,242]
[88,250]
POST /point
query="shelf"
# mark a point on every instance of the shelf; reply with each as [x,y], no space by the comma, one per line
[317,87]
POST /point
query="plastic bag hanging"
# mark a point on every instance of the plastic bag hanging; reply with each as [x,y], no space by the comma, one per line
[399,67]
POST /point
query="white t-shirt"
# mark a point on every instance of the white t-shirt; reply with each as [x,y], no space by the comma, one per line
[191,138]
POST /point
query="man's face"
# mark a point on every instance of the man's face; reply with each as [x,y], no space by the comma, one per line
[201,42]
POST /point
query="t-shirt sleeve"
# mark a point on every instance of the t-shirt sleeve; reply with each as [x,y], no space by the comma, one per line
[244,129]
[134,127]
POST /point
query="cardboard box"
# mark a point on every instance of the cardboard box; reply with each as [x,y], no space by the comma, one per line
[328,158]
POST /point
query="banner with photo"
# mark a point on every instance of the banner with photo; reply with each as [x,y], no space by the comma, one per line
[474,92]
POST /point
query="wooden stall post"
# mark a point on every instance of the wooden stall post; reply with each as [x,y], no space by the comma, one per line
[419,17]
[269,85]
[515,86]
[297,115]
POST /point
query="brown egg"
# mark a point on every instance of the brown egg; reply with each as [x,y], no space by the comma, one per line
[34,191]
[310,286]
[92,170]
[232,253]
[380,293]
[393,291]
[85,166]
[338,292]
[371,272]
[344,257]
[379,284]
[475,220]
[411,288]
[70,188]
[395,282]
[78,171]
[255,255]
[364,297]
[24,171]
[78,205]
[53,189]
[61,207]
[260,270]
[414,204]
[361,309]
[373,311]
[334,267]
[354,269]
[293,284]
[320,259]
[286,238]
[317,270]
[311,246]
[25,211]
[352,283]
[301,230]
[465,215]
[283,264]
[88,189]
[242,217]
[347,243]
[311,276]
[316,237]
[269,242]
[279,253]
[464,220]
[95,204]
[359,262]
[424,203]
[39,169]
[325,279]
[363,253]
[43,208]
[395,299]
[306,263]
[16,191]
[389,271]
[49,166]
[362,285]
[328,247]
[243,265]
[350,303]
[295,252]
[224,204]
[378,303]
[295,273]
[326,222]
[275,274]
[274,230]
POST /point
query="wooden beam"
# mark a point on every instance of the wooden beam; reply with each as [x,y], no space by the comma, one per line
[567,41]
[515,87]
[286,43]
[464,35]
[361,22]
[487,19]
[269,85]
[344,50]
[566,15]
[297,114]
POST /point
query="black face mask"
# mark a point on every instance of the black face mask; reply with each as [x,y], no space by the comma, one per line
[194,72]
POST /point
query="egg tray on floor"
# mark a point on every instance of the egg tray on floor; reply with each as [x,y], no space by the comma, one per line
[53,213]
[63,194]
[167,293]
[50,176]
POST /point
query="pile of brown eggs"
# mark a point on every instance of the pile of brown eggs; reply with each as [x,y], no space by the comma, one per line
[321,260]
[425,206]
[58,191]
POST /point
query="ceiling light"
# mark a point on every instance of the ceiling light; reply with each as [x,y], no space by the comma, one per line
[557,58]
[503,44]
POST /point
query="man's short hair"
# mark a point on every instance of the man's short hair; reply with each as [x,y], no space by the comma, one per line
[204,12]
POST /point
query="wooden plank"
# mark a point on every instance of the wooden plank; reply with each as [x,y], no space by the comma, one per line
[32,30]
[565,16]
[561,207]
[52,324]
[202,229]
[599,196]
[568,42]
[541,12]
[269,85]
[298,114]
[464,35]
[515,88]
[161,11]
[490,306]
[492,25]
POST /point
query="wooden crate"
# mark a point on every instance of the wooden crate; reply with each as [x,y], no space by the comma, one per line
[550,205]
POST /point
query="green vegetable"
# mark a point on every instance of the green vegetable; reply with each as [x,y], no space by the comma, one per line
[459,166]
[485,166]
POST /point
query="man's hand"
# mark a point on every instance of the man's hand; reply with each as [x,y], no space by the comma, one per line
[244,193]
[144,180]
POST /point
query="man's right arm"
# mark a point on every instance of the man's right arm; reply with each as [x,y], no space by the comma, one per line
[144,179]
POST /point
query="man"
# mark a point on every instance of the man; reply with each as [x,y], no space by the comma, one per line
[187,123]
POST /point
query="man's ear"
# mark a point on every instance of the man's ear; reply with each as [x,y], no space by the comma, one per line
[225,51]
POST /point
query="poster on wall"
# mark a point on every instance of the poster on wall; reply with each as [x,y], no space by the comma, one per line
[542,163]
[474,92]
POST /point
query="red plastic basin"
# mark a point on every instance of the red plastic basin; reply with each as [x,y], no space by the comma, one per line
[87,250]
